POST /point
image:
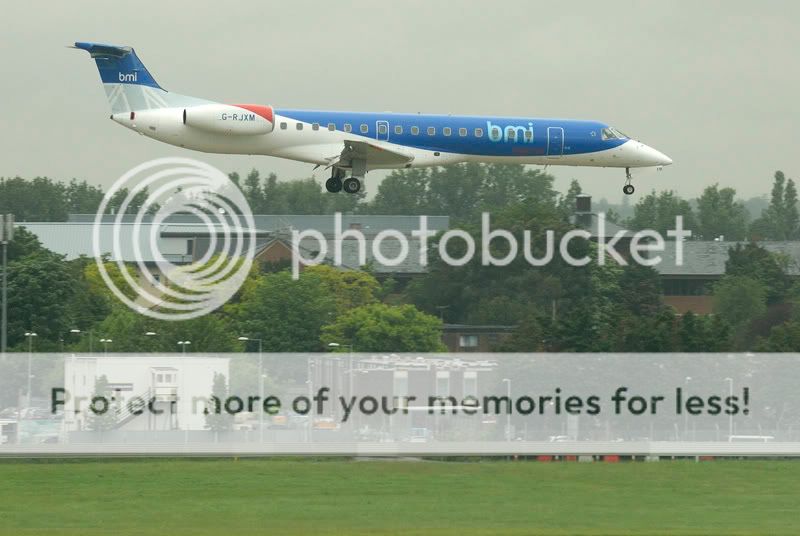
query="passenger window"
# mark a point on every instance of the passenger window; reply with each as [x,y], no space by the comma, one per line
[415,130]
[398,129]
[512,134]
[431,131]
[462,132]
[331,127]
[383,129]
[299,126]
[283,125]
[528,135]
[446,131]
[478,132]
[364,128]
[348,127]
[315,126]
[496,132]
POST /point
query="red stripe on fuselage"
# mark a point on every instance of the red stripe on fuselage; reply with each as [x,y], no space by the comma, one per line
[263,111]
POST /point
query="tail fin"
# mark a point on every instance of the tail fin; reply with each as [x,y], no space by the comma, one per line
[129,85]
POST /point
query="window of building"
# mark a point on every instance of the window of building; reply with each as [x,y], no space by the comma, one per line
[414,130]
[315,126]
[348,127]
[299,126]
[364,128]
[447,131]
[383,129]
[283,125]
[331,127]
[468,341]
[398,129]
[462,132]
[431,131]
[685,287]
[478,132]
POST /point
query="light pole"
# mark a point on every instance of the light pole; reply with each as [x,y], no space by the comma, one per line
[6,235]
[183,345]
[89,333]
[105,345]
[260,384]
[730,417]
[30,335]
[507,381]
[686,413]
[349,364]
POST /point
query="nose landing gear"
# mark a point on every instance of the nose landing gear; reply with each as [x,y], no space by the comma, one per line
[628,189]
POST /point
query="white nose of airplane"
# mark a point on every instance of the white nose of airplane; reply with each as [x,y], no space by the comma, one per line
[653,157]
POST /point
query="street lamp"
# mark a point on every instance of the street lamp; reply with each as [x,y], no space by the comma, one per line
[349,363]
[91,337]
[105,345]
[30,335]
[730,417]
[686,413]
[260,384]
[507,381]
[183,345]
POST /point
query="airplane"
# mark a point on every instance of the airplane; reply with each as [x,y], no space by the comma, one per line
[355,142]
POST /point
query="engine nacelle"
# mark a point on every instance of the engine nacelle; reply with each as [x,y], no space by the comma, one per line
[233,119]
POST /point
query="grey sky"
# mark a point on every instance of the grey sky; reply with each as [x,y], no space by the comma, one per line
[715,85]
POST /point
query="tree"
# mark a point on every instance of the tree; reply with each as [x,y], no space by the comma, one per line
[349,288]
[719,214]
[404,191]
[104,416]
[40,287]
[779,221]
[658,212]
[217,419]
[385,328]
[739,299]
[755,262]
[287,314]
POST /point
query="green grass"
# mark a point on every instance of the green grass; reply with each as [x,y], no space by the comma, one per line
[262,496]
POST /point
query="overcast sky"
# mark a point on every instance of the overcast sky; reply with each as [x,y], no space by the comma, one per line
[714,85]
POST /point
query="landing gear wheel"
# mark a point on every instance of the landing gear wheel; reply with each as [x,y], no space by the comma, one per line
[352,185]
[628,189]
[333,185]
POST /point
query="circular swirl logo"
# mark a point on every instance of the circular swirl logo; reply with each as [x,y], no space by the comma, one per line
[181,240]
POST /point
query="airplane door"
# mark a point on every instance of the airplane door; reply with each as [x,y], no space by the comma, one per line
[382,130]
[555,142]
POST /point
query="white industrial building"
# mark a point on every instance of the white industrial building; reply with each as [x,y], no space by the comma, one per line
[167,392]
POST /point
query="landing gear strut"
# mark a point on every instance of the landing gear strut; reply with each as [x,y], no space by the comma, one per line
[628,189]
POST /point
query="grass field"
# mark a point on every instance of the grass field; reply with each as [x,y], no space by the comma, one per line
[262,496]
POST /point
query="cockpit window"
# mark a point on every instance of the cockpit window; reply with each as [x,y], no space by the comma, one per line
[610,133]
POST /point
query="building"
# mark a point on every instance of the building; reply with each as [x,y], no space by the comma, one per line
[474,338]
[688,286]
[150,392]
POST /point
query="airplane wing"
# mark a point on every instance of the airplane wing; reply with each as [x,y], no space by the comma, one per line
[374,155]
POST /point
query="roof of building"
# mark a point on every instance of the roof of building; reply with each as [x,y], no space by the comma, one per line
[267,223]
[707,258]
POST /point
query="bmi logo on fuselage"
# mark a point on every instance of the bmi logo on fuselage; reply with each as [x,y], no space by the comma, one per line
[520,133]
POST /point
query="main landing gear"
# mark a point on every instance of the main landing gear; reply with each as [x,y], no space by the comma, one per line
[335,184]
[628,189]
